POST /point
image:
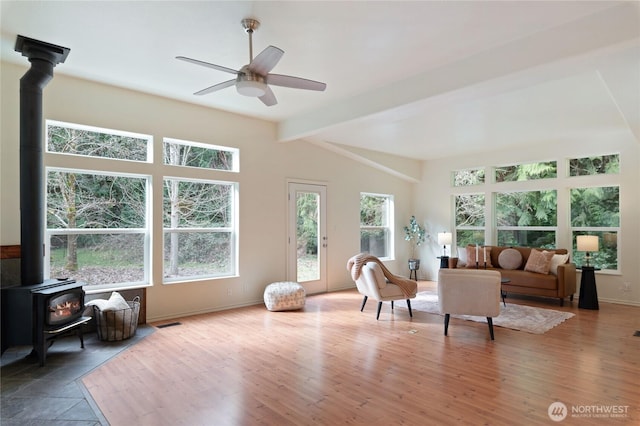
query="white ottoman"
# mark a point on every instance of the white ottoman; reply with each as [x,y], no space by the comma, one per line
[284,296]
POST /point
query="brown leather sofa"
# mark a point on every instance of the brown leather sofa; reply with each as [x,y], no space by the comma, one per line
[559,285]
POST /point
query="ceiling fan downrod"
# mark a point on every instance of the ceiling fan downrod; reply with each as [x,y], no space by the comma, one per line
[250,25]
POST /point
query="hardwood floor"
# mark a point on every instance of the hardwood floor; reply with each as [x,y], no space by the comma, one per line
[331,364]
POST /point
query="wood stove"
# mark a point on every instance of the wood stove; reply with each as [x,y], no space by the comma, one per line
[38,314]
[37,311]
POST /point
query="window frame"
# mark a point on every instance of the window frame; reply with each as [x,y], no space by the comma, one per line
[470,228]
[389,227]
[563,183]
[144,231]
[591,230]
[518,169]
[113,132]
[601,156]
[232,230]
[235,153]
[154,171]
[479,173]
[533,228]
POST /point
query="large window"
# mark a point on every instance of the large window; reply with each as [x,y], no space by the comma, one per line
[470,220]
[198,229]
[97,220]
[535,206]
[596,211]
[376,218]
[198,215]
[96,227]
[469,208]
[100,209]
[527,219]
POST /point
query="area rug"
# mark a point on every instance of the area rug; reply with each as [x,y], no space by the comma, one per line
[517,317]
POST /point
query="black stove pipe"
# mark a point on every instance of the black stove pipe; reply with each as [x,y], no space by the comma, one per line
[43,57]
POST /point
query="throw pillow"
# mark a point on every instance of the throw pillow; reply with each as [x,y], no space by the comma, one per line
[462,257]
[539,261]
[116,302]
[510,259]
[471,256]
[557,259]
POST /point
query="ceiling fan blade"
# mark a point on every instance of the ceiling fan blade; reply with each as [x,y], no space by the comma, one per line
[207,64]
[295,82]
[266,60]
[269,99]
[216,87]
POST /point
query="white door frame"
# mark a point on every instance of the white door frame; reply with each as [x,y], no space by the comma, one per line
[293,187]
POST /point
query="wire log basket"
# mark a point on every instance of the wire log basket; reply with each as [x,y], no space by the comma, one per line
[119,324]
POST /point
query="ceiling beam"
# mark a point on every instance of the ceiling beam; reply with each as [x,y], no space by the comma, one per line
[593,34]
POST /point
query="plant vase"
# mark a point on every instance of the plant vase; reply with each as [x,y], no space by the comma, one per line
[414,264]
[415,234]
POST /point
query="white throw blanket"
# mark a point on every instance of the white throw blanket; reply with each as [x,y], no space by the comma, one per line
[355,264]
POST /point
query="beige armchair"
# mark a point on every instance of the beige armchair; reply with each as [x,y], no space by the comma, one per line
[373,283]
[469,292]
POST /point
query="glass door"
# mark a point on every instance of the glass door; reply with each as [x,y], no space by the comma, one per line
[307,241]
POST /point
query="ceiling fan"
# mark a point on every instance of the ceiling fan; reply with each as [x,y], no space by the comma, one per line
[254,78]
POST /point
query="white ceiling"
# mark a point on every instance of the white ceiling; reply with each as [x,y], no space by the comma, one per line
[419,79]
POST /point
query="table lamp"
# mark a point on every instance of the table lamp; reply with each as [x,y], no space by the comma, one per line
[444,238]
[587,243]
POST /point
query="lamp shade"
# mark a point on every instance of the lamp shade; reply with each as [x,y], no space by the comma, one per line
[444,238]
[587,243]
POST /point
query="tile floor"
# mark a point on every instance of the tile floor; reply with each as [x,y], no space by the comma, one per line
[54,394]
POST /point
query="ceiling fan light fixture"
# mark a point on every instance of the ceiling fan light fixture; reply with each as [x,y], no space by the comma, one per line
[253,88]
[251,80]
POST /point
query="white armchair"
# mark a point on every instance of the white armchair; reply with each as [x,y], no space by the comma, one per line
[372,283]
[469,292]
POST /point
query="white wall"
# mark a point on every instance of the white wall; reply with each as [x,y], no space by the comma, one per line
[264,169]
[434,199]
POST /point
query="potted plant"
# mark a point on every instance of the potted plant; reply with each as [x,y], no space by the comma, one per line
[415,234]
